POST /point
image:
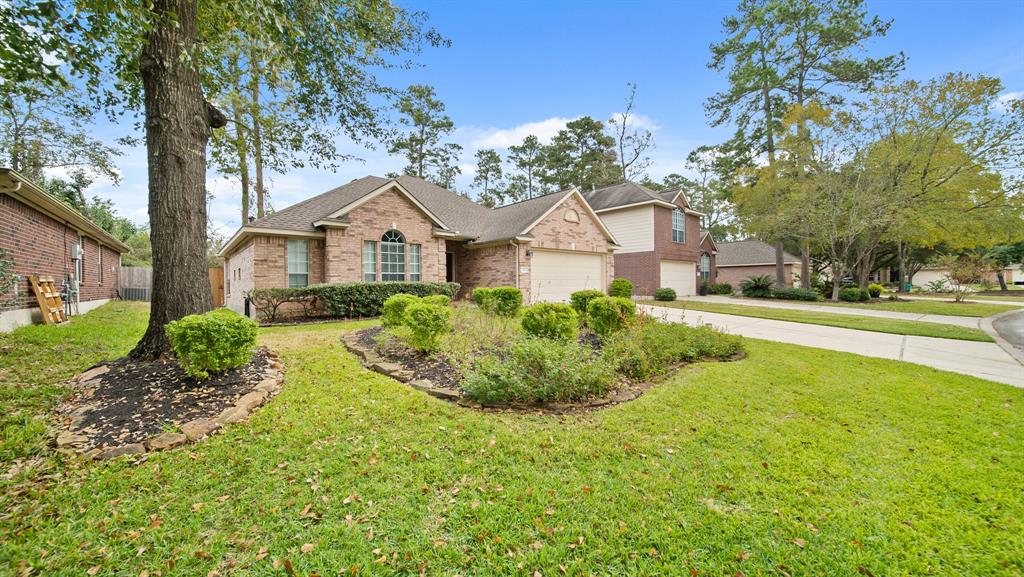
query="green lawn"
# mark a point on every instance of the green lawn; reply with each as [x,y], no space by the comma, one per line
[794,461]
[931,308]
[878,325]
[1013,295]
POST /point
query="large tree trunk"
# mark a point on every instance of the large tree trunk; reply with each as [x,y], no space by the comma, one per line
[257,139]
[805,263]
[780,265]
[178,122]
[1002,280]
[902,255]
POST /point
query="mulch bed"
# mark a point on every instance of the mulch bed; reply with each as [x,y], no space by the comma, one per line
[130,402]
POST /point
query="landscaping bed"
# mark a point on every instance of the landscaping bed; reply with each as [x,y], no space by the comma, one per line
[539,359]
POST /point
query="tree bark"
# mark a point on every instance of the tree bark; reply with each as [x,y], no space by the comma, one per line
[805,263]
[902,255]
[780,265]
[1002,280]
[178,121]
[257,138]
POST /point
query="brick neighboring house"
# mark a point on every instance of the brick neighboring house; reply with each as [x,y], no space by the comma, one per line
[406,229]
[38,232]
[740,260]
[662,243]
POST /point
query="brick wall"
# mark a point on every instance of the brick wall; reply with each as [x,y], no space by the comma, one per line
[488,266]
[708,247]
[641,268]
[41,245]
[734,274]
[239,272]
[270,261]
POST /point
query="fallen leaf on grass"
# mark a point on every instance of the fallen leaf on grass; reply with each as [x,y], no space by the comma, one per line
[93,570]
[799,542]
[307,547]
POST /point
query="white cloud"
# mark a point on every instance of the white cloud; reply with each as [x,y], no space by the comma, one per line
[505,137]
[641,121]
[1002,103]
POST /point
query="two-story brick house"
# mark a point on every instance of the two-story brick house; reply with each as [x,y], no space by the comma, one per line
[376,229]
[661,243]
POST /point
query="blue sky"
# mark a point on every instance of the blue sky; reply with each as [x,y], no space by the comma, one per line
[521,67]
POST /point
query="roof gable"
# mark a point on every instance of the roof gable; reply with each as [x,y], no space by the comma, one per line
[387,186]
[749,252]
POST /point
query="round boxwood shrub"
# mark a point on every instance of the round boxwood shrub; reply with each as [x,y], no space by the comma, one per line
[719,288]
[875,290]
[621,287]
[665,294]
[854,294]
[580,299]
[427,323]
[551,321]
[394,308]
[505,301]
[795,294]
[442,300]
[481,295]
[607,315]
[212,342]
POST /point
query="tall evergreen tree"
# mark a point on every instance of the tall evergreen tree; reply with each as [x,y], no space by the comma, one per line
[423,146]
[488,177]
[526,159]
[581,155]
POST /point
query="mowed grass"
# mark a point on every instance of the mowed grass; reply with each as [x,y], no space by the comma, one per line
[1011,295]
[874,324]
[923,307]
[793,461]
[36,360]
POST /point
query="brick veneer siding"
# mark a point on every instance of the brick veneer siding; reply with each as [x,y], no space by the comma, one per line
[41,245]
[239,276]
[270,261]
[369,221]
[643,268]
[488,266]
[734,274]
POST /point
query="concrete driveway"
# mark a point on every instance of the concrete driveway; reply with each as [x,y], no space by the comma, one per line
[982,360]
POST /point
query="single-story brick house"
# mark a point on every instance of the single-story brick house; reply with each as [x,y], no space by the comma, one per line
[662,243]
[375,229]
[43,235]
[742,259]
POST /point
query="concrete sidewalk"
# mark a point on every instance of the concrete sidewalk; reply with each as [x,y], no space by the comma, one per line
[969,322]
[982,360]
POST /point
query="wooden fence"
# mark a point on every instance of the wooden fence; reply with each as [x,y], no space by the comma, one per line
[137,284]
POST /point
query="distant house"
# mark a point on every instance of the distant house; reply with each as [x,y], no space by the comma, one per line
[43,236]
[660,237]
[740,260]
[1011,274]
[377,229]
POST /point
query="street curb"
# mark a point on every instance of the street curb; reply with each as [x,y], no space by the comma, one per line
[988,325]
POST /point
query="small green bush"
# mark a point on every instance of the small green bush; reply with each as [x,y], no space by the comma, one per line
[607,315]
[854,294]
[795,294]
[719,288]
[551,321]
[394,309]
[212,342]
[759,286]
[505,301]
[481,296]
[621,287]
[427,323]
[580,299]
[875,290]
[650,349]
[665,294]
[442,300]
[366,299]
[539,371]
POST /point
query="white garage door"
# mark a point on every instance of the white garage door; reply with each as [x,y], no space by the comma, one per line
[556,275]
[679,276]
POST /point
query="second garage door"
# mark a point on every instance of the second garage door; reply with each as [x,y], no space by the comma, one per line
[556,275]
[680,276]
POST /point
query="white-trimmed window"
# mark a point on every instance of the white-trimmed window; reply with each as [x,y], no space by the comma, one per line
[298,263]
[414,262]
[678,226]
[392,256]
[369,260]
[705,267]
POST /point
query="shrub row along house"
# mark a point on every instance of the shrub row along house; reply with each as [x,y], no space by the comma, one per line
[43,236]
[375,229]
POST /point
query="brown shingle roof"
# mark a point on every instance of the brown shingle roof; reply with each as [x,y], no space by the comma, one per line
[748,252]
[622,194]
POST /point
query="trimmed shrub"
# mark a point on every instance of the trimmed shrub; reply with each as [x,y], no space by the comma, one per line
[720,288]
[795,294]
[366,299]
[854,294]
[580,299]
[539,371]
[607,315]
[505,301]
[665,294]
[440,300]
[269,301]
[393,312]
[480,296]
[875,290]
[651,348]
[621,287]
[757,286]
[427,322]
[212,342]
[551,321]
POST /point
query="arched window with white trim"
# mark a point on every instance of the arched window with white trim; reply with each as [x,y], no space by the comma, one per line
[392,256]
